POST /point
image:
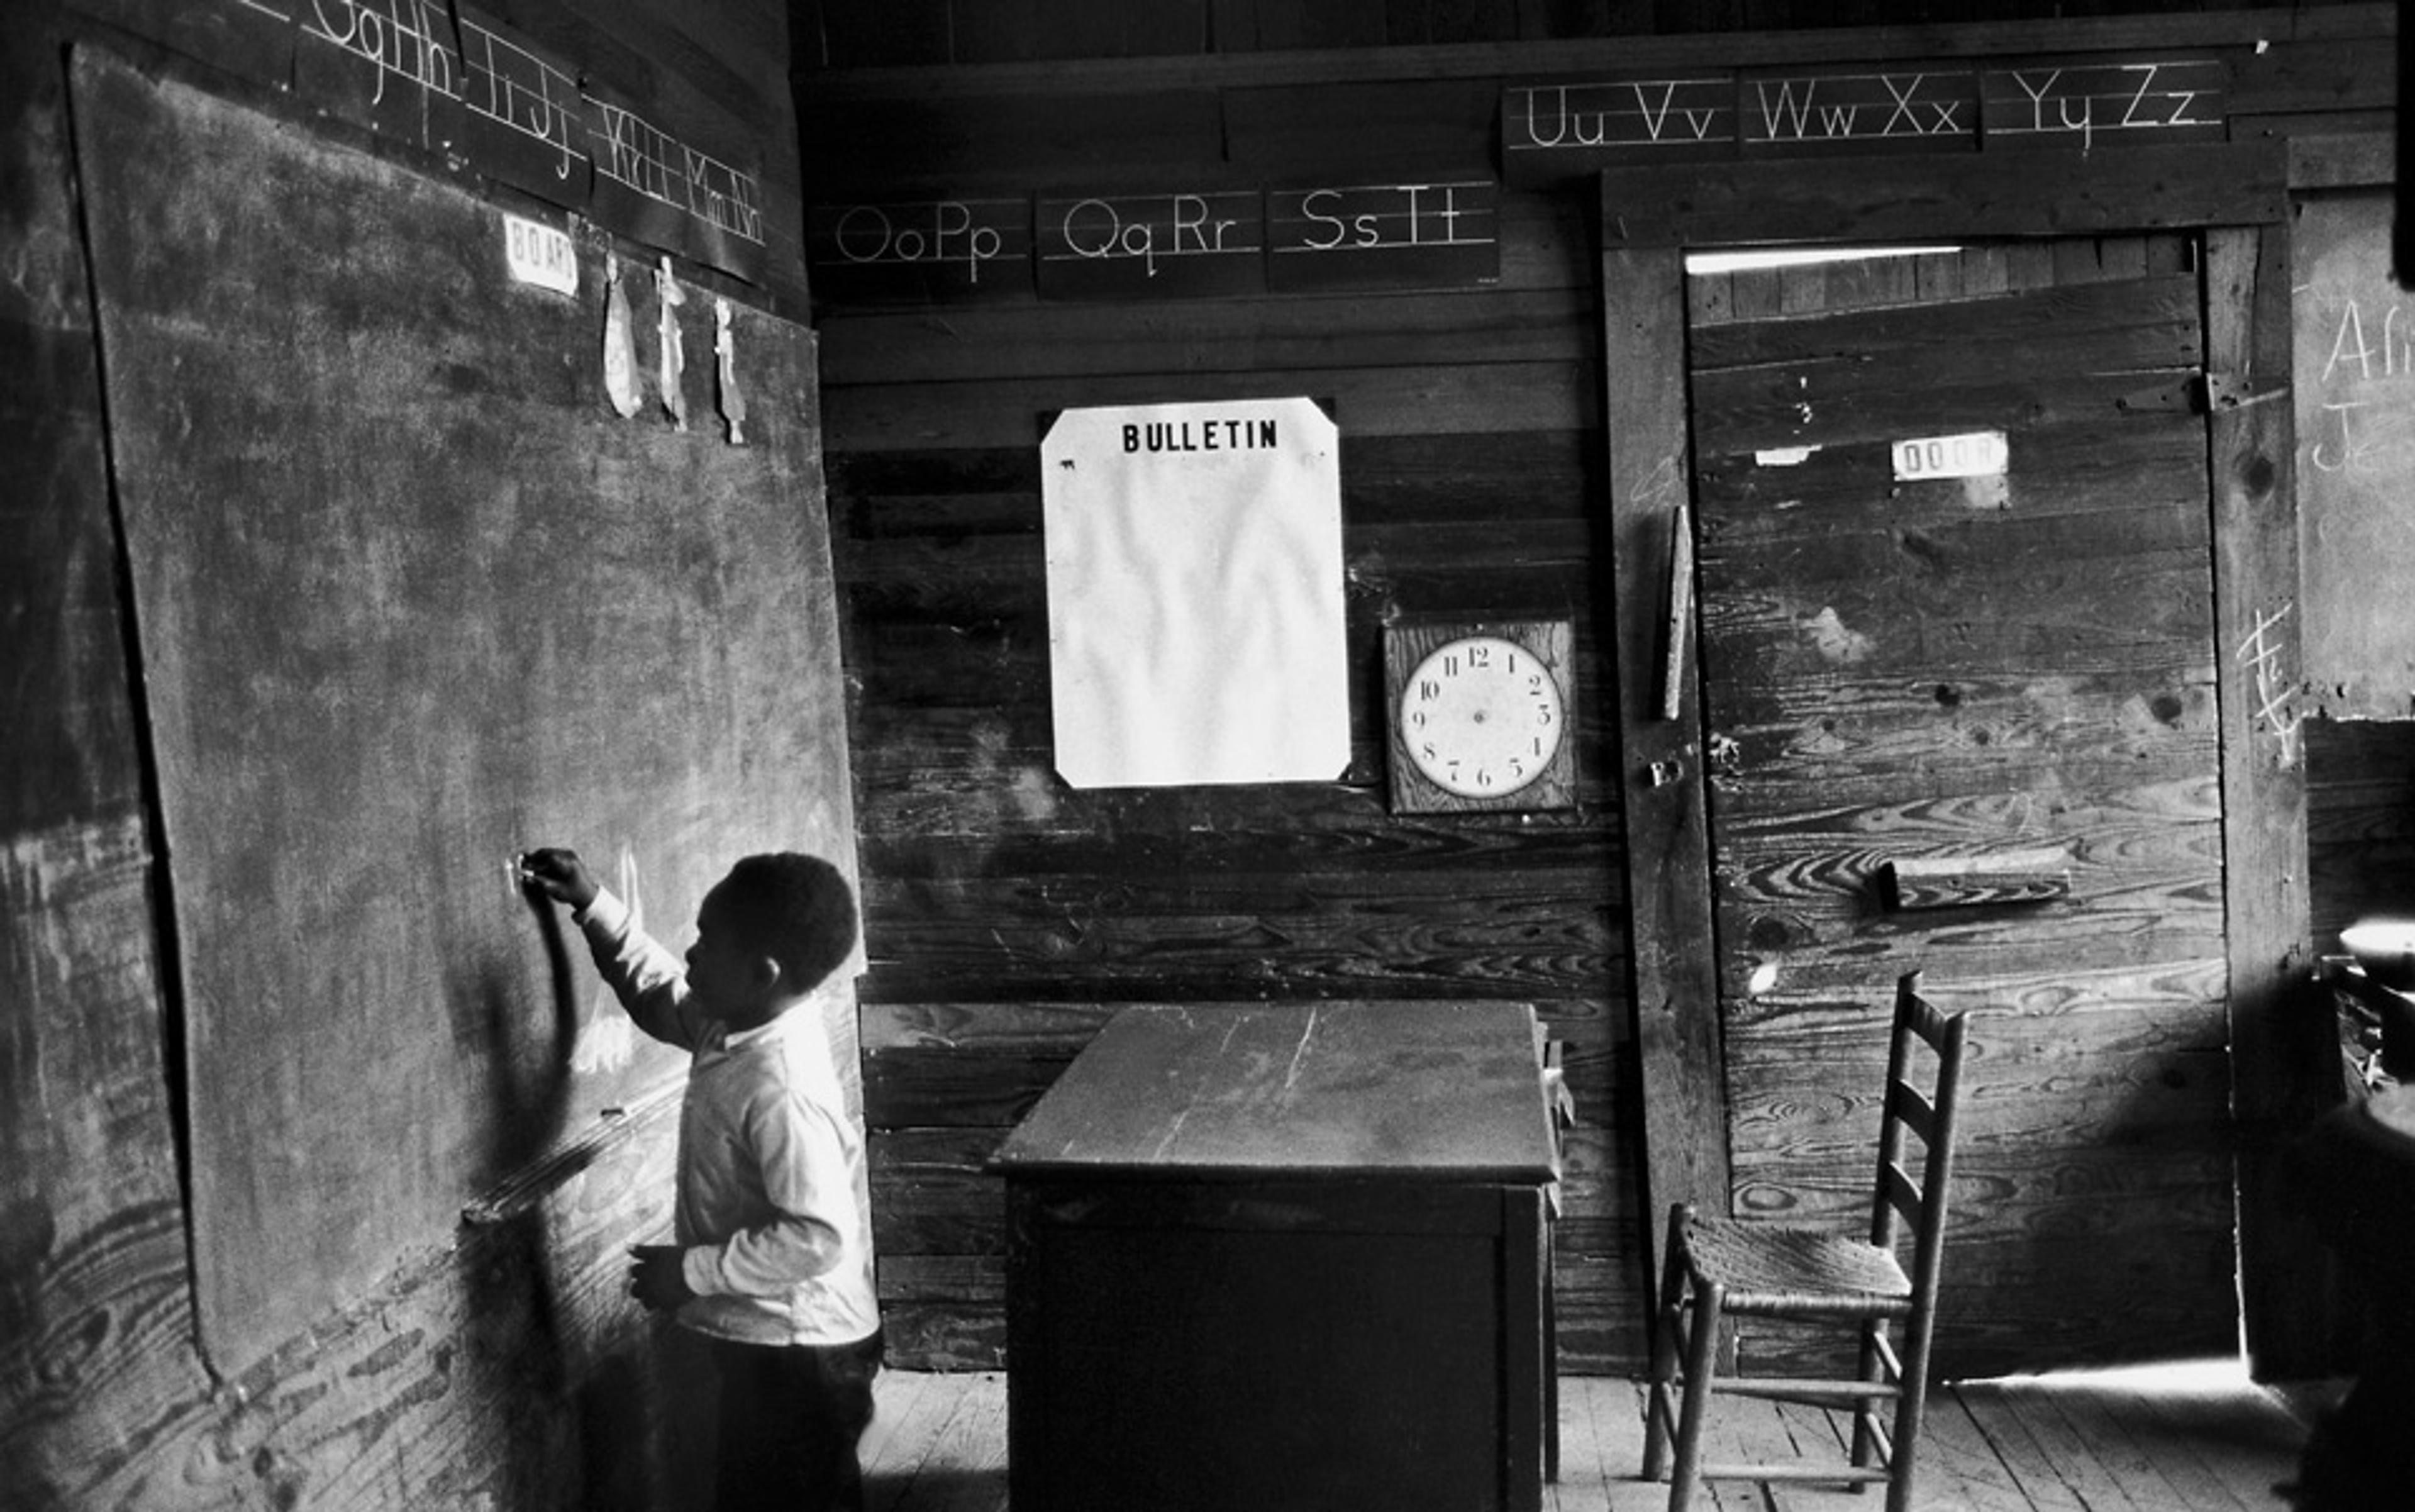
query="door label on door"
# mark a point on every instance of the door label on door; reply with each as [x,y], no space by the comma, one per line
[1978,454]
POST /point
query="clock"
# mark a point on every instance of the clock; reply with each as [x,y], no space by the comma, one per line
[1482,716]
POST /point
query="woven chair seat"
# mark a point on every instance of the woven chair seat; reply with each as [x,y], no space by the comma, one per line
[1785,1268]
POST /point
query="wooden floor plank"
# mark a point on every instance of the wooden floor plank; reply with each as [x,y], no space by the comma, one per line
[894,1394]
[2147,1480]
[1822,1438]
[2055,1466]
[1740,1430]
[2223,1439]
[2054,1444]
[1584,1463]
[889,1477]
[2173,1448]
[1612,1478]
[2252,1444]
[1958,1465]
[1997,1421]
[965,1471]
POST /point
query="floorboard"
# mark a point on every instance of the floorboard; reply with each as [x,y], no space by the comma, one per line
[2195,1439]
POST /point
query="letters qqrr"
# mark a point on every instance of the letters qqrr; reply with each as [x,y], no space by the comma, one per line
[1480,718]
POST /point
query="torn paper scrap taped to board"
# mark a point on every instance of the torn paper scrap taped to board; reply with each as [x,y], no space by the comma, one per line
[1196,593]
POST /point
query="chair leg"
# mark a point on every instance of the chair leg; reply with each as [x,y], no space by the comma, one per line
[1701,1363]
[1873,1367]
[1909,1410]
[1660,1421]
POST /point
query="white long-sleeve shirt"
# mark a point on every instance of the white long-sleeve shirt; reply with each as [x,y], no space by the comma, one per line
[770,1209]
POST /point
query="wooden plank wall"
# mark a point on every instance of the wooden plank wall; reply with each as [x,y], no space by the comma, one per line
[855,34]
[494,1365]
[1008,912]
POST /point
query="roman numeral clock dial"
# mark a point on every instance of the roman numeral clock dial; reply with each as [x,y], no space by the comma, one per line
[1481,716]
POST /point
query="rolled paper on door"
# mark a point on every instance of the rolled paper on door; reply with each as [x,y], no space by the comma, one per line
[1680,612]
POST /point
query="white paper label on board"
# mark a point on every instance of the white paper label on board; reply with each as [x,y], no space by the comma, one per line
[1978,454]
[540,255]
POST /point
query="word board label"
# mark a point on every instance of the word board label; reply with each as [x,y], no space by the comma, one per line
[1977,454]
[540,255]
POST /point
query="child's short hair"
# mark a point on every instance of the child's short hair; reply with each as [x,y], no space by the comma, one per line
[795,908]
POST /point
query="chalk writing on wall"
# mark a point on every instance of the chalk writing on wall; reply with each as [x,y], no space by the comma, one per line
[1384,234]
[632,151]
[2266,650]
[2362,424]
[1617,121]
[1923,110]
[448,80]
[1153,244]
[2094,104]
[520,91]
[400,38]
[961,248]
[2352,372]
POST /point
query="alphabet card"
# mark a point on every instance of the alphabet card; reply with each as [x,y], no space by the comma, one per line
[1196,593]
[906,250]
[1152,246]
[1427,235]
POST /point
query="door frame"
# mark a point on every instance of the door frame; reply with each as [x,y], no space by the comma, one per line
[2236,195]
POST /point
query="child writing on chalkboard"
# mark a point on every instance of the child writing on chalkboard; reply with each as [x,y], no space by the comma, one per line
[773,1265]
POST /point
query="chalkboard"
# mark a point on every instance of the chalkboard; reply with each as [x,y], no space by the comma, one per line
[409,596]
[2355,383]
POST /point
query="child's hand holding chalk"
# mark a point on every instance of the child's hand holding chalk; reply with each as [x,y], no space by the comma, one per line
[558,874]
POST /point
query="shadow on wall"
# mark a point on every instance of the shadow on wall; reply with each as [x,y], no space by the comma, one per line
[595,1407]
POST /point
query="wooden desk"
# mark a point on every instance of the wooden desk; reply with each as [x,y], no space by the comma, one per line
[1276,1259]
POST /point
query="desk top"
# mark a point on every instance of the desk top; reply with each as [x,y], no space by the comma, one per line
[1425,1090]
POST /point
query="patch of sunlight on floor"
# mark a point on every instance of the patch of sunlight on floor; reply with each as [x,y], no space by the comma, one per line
[2220,1376]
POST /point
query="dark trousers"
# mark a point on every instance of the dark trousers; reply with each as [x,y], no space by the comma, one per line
[790,1419]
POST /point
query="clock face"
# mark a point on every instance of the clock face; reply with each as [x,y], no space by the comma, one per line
[1482,716]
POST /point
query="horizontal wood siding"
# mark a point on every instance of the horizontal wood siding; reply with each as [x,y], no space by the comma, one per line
[846,34]
[1003,908]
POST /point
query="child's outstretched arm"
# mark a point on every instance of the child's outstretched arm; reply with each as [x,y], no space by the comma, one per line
[650,980]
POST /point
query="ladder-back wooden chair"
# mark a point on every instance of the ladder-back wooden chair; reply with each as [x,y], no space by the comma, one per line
[1720,1267]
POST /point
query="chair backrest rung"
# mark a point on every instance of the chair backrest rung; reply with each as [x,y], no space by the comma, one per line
[1916,1112]
[1929,1116]
[1902,1192]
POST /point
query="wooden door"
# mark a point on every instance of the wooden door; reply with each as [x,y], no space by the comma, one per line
[2002,686]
